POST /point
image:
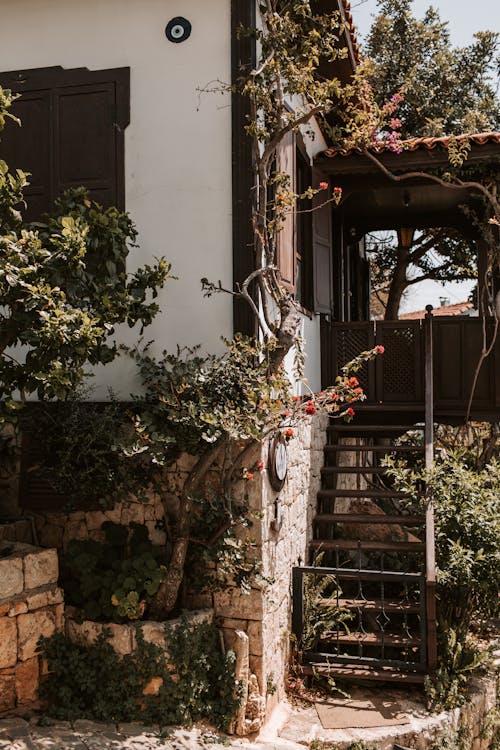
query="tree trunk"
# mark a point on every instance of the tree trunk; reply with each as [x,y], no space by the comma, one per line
[398,285]
[166,596]
[287,332]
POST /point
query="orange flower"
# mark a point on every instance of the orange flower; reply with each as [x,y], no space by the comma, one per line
[289,433]
[248,475]
[310,408]
[353,382]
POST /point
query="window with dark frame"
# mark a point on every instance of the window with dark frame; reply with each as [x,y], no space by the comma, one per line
[72,133]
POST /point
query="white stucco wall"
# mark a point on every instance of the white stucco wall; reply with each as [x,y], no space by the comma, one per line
[177,146]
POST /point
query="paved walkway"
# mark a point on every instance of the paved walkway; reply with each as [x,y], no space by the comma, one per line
[20,734]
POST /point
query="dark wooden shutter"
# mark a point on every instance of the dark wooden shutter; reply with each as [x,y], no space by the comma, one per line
[72,133]
[322,247]
[286,241]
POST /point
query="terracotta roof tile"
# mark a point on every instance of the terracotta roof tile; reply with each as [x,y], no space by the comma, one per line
[459,308]
[414,144]
[352,30]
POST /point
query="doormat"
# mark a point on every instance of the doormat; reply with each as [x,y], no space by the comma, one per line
[351,714]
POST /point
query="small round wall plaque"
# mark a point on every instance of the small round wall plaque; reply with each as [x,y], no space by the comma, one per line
[277,467]
[178,30]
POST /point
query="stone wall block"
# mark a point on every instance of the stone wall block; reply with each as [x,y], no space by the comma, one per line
[242,676]
[154,632]
[50,535]
[7,690]
[121,638]
[75,530]
[95,519]
[31,627]
[255,635]
[233,603]
[133,513]
[18,607]
[8,642]
[44,596]
[114,515]
[11,577]
[40,568]
[27,680]
[83,633]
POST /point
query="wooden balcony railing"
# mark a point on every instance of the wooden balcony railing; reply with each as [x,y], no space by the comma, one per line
[395,381]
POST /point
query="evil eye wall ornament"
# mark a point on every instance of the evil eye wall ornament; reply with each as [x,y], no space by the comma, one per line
[178,30]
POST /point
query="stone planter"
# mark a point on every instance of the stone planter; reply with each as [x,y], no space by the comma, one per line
[31,606]
[123,637]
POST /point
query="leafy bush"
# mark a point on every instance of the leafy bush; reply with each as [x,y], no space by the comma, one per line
[79,451]
[95,683]
[114,580]
[467,529]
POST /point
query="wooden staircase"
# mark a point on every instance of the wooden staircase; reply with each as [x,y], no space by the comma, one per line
[371,554]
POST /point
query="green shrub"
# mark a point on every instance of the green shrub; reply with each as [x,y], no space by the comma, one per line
[79,451]
[114,580]
[95,683]
[467,529]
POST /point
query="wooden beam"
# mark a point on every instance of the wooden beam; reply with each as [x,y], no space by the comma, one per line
[243,56]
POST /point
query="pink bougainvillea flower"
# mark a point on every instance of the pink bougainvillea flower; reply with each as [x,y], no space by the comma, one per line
[350,412]
[310,408]
[260,465]
[353,382]
[380,349]
[323,186]
[358,390]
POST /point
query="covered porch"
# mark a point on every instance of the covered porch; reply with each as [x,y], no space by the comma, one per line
[390,191]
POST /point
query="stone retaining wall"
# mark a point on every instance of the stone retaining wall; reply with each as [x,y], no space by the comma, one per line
[123,636]
[282,525]
[257,625]
[31,605]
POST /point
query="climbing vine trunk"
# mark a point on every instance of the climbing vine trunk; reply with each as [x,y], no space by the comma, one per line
[168,592]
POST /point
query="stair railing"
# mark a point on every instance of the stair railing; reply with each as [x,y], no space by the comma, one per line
[430,557]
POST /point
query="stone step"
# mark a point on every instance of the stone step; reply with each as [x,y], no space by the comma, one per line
[371,605]
[364,493]
[363,673]
[369,518]
[374,448]
[367,546]
[370,429]
[392,640]
[327,470]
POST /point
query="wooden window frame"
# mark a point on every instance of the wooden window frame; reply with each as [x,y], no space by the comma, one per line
[57,79]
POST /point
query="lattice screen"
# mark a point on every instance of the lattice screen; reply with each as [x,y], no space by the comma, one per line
[348,343]
[399,363]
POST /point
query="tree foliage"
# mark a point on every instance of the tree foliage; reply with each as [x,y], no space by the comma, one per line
[446,89]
